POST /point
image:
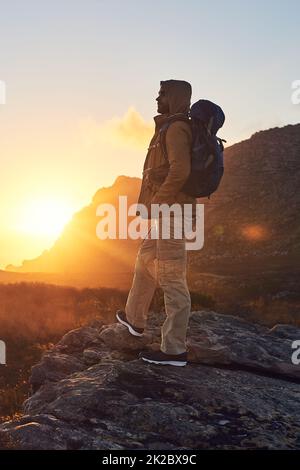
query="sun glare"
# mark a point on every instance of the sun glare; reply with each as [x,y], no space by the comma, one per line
[255,232]
[45,217]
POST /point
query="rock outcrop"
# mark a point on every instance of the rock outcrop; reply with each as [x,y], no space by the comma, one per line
[239,390]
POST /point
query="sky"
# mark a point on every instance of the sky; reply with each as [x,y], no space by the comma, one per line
[81,80]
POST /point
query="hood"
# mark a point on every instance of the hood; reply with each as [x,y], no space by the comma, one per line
[179,95]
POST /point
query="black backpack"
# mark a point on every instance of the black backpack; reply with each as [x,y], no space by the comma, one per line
[207,165]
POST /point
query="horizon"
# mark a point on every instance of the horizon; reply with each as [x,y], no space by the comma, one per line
[75,117]
[10,265]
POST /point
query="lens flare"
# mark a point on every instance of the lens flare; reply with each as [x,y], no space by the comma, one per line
[255,232]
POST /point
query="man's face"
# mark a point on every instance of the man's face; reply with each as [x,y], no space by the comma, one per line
[162,101]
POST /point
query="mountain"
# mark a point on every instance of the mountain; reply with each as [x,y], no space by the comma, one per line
[238,391]
[253,218]
[252,245]
[79,256]
[251,223]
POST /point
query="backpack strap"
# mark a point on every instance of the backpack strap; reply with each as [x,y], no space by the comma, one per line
[163,132]
[162,139]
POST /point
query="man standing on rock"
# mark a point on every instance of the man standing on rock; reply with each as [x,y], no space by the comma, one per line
[162,261]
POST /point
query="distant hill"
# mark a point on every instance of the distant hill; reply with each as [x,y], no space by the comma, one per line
[79,256]
[253,219]
[251,222]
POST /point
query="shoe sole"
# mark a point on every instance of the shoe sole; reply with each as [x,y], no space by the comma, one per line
[166,363]
[132,331]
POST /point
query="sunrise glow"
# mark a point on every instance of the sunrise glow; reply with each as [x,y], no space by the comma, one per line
[45,217]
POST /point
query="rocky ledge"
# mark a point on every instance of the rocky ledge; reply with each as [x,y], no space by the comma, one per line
[239,390]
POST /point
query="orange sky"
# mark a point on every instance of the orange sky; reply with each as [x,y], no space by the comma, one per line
[55,167]
[81,82]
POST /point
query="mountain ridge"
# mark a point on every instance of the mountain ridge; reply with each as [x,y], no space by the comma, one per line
[246,221]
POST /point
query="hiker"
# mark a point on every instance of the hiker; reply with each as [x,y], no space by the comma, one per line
[162,261]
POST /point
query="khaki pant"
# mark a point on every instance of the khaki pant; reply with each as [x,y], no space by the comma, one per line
[162,262]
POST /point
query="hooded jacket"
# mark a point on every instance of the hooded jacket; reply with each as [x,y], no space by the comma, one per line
[162,180]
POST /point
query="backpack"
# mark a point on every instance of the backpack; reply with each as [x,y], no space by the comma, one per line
[207,164]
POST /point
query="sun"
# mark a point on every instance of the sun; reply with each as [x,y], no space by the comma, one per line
[45,217]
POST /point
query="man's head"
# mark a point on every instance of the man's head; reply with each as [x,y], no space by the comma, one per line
[174,97]
[162,100]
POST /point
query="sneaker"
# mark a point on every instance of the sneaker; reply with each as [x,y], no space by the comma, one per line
[159,357]
[121,317]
